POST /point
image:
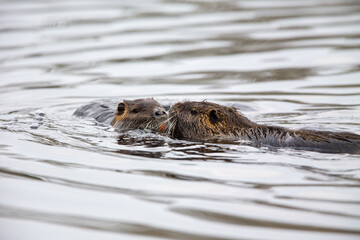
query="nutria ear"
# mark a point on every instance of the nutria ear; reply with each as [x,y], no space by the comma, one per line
[120,109]
[193,112]
[213,116]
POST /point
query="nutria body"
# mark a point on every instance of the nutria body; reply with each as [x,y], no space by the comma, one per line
[211,121]
[144,113]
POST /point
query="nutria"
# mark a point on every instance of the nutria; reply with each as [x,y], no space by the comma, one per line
[144,113]
[210,121]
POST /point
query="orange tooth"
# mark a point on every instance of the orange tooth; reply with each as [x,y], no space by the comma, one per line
[162,128]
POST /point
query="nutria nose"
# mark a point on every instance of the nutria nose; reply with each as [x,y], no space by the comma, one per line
[158,112]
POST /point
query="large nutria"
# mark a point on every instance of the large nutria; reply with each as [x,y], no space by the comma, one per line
[211,121]
[144,113]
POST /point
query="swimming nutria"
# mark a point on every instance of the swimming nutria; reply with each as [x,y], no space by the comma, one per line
[144,113]
[211,121]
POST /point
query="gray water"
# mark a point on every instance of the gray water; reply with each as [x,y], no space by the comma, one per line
[289,63]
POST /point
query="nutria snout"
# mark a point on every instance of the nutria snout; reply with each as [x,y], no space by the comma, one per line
[210,121]
[159,112]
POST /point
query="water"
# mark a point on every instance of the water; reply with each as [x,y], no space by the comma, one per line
[289,63]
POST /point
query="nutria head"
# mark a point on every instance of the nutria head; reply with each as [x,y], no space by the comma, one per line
[205,121]
[139,114]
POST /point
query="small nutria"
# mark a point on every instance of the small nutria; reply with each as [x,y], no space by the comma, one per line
[144,113]
[211,121]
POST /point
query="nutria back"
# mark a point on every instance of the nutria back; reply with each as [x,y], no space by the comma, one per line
[103,111]
[208,121]
[144,113]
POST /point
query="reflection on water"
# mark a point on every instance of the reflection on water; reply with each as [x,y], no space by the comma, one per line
[290,63]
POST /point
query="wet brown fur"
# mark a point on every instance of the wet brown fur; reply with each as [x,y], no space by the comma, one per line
[139,114]
[211,121]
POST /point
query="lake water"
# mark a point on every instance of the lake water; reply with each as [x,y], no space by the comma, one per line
[289,63]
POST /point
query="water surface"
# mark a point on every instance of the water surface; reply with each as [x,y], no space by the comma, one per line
[289,63]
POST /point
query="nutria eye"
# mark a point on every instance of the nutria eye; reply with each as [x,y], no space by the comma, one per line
[120,109]
[213,116]
[135,110]
[193,112]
